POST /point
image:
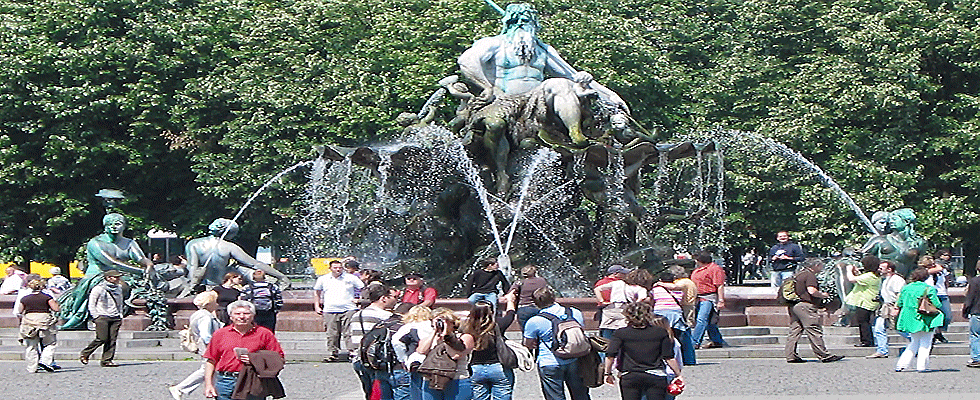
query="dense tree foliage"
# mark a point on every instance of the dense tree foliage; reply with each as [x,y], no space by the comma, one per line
[190,105]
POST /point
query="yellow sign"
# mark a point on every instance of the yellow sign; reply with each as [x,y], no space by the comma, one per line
[44,269]
[321,266]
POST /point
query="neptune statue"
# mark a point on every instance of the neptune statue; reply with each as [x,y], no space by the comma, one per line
[517,103]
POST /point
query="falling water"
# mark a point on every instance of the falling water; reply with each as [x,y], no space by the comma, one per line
[542,156]
[241,210]
[266,185]
[720,196]
[804,164]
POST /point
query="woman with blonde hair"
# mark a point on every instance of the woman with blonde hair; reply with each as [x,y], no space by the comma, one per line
[37,327]
[417,324]
[643,350]
[202,324]
[490,379]
[444,324]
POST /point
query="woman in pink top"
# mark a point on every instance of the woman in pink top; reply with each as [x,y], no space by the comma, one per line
[667,303]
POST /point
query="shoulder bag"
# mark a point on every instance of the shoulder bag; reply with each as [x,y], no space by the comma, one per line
[926,307]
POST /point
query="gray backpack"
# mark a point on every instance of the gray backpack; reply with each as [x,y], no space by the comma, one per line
[568,336]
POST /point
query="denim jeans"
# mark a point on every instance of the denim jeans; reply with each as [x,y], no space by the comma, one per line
[554,378]
[368,376]
[525,313]
[947,310]
[492,382]
[975,337]
[703,322]
[880,332]
[687,347]
[489,297]
[456,389]
[777,277]
[408,385]
[225,385]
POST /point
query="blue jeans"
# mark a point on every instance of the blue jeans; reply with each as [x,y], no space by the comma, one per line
[224,385]
[880,332]
[947,310]
[554,378]
[975,337]
[408,385]
[777,277]
[687,347]
[368,376]
[702,323]
[492,382]
[489,297]
[456,389]
[525,313]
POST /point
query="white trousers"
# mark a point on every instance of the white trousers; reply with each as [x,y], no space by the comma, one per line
[920,346]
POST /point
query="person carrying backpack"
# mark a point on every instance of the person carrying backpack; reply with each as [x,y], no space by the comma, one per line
[267,299]
[557,334]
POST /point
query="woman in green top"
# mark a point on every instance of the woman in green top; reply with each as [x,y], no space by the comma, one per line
[919,326]
[867,284]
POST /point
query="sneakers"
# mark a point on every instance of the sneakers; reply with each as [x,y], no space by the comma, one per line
[796,361]
[973,364]
[109,364]
[833,358]
[176,393]
[877,355]
[83,359]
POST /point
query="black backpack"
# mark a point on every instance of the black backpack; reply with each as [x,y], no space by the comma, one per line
[375,350]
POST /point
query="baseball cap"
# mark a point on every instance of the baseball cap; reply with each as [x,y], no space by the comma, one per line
[617,269]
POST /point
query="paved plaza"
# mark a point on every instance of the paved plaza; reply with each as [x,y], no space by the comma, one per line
[757,379]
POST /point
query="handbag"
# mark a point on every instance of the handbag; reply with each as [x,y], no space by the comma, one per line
[525,361]
[438,367]
[506,355]
[925,305]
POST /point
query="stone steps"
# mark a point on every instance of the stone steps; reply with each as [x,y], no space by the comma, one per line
[744,342]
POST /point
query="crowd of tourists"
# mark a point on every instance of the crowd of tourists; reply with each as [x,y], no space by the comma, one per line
[401,346]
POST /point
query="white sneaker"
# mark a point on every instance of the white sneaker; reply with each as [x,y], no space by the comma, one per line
[176,393]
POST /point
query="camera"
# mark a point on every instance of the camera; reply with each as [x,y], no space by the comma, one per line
[440,324]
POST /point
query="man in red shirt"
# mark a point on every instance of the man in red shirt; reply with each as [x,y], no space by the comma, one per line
[229,349]
[710,279]
[416,292]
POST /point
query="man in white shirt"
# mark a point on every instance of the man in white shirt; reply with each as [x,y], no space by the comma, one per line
[14,281]
[333,297]
[891,287]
